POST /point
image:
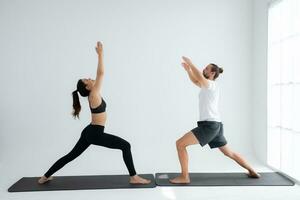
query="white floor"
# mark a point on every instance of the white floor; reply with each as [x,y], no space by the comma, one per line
[158,193]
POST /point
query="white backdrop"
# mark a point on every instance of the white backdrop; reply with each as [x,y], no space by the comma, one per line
[46,46]
[259,86]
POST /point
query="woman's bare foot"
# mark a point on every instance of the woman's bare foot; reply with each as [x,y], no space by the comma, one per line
[138,180]
[253,174]
[44,179]
[180,179]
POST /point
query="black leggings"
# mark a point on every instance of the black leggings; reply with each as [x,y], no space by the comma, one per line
[94,134]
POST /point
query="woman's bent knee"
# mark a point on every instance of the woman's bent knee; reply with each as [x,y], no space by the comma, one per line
[126,145]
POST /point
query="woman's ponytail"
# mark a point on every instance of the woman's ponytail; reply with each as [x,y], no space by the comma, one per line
[76,104]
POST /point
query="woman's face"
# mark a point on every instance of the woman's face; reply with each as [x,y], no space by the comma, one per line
[89,83]
[208,73]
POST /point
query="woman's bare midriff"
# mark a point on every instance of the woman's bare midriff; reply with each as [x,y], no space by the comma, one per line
[99,118]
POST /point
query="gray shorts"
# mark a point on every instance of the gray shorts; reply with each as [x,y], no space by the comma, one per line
[211,133]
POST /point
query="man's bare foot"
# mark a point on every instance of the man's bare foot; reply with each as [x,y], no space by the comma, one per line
[253,174]
[138,180]
[44,179]
[180,179]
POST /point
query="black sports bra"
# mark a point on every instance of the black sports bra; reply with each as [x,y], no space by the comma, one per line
[100,108]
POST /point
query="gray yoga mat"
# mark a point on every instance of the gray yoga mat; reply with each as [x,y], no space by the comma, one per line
[27,184]
[226,179]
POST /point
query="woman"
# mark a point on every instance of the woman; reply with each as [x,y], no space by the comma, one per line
[94,132]
[210,127]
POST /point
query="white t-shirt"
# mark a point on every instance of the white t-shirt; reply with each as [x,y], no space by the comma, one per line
[209,102]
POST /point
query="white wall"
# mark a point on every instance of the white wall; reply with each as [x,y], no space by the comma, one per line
[259,78]
[46,46]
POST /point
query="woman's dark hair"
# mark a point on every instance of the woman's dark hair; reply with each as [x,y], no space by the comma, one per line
[217,69]
[76,104]
[81,88]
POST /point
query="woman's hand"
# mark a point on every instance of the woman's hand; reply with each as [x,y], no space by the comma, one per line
[100,68]
[187,61]
[185,66]
[99,48]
